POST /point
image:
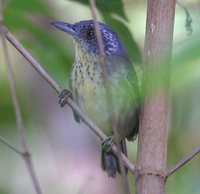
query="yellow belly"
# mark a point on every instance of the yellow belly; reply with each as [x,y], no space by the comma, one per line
[93,102]
[90,94]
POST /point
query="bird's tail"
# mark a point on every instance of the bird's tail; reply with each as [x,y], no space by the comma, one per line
[110,162]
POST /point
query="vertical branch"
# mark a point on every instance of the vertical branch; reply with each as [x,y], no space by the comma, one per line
[153,133]
[109,100]
[20,126]
[26,155]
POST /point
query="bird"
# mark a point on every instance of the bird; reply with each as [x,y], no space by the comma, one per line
[90,87]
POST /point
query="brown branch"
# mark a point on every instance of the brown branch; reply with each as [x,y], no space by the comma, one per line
[109,100]
[12,147]
[70,102]
[20,126]
[153,130]
[12,83]
[184,161]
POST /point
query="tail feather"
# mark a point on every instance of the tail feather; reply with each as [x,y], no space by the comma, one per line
[110,162]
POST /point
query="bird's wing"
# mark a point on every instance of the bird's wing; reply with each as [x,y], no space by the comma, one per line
[122,65]
[132,78]
[125,70]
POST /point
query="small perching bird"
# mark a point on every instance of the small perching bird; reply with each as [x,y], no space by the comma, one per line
[90,92]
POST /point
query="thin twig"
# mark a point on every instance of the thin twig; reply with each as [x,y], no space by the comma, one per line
[109,100]
[184,161]
[20,126]
[12,147]
[119,156]
[12,83]
[132,167]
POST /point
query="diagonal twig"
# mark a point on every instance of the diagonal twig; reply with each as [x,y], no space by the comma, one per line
[184,161]
[12,147]
[132,167]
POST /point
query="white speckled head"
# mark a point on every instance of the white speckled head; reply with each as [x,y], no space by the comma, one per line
[83,33]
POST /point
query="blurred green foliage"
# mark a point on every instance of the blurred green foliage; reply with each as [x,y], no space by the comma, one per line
[7,115]
[115,7]
[30,22]
[185,69]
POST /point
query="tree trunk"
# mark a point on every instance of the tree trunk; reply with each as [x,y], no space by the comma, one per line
[152,145]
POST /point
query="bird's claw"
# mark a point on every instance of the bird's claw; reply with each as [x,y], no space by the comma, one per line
[63,96]
[107,144]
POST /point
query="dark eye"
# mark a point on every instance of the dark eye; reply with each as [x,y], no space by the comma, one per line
[89,34]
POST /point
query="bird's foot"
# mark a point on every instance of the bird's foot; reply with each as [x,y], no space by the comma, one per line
[63,96]
[107,144]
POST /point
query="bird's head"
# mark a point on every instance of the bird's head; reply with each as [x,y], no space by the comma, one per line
[83,35]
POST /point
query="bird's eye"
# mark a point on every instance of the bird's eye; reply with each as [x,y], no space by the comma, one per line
[89,34]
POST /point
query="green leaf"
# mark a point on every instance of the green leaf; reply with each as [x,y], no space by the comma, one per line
[25,6]
[50,52]
[21,18]
[184,67]
[105,6]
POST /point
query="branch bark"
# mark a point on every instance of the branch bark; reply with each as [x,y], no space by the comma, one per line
[20,126]
[12,147]
[152,146]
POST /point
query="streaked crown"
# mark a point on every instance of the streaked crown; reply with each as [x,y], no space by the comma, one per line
[83,34]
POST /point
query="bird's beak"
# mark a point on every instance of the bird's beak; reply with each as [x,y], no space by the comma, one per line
[65,27]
